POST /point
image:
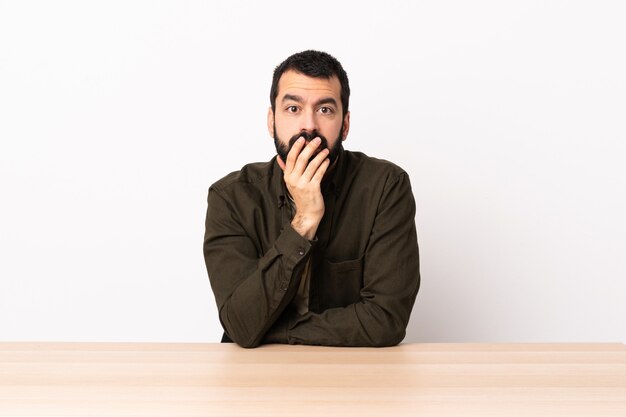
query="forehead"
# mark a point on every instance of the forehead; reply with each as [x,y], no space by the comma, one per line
[292,82]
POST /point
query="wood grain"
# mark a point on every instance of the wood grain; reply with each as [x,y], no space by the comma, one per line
[154,379]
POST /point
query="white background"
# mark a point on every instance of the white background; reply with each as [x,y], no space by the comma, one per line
[115,117]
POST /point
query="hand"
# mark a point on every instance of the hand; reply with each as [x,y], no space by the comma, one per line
[303,177]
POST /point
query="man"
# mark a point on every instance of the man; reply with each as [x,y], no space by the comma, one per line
[317,246]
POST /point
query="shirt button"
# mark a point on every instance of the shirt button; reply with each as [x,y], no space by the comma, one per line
[283,286]
[301,252]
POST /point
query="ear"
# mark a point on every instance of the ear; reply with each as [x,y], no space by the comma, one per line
[270,121]
[346,126]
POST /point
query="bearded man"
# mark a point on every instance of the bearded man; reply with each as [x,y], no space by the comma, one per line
[317,246]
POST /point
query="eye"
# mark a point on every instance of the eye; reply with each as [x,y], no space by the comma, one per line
[326,110]
[292,109]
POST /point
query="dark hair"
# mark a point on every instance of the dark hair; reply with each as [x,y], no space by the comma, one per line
[314,64]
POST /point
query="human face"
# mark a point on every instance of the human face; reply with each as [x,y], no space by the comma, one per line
[308,107]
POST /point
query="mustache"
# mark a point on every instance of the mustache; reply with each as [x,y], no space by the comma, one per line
[309,136]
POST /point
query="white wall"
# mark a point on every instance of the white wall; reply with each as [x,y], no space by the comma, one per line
[115,117]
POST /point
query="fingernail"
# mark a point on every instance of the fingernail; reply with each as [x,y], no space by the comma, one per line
[317,140]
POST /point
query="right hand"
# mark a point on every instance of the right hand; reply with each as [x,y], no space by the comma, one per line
[303,180]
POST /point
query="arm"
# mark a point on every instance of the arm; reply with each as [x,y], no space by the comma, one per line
[251,289]
[390,283]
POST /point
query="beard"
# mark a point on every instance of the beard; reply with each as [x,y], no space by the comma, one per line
[283,150]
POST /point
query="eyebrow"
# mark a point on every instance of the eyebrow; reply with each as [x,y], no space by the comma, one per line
[298,99]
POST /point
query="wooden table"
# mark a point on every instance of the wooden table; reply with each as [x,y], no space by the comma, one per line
[174,380]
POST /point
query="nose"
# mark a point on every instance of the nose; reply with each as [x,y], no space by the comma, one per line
[308,121]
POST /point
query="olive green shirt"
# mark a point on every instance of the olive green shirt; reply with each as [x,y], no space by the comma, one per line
[364,263]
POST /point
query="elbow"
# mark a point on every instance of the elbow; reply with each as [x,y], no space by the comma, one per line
[388,336]
[240,341]
[239,334]
[247,344]
[385,328]
[244,341]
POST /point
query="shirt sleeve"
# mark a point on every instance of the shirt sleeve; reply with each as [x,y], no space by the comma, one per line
[251,289]
[391,280]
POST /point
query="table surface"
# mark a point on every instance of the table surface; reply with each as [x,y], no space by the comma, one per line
[194,379]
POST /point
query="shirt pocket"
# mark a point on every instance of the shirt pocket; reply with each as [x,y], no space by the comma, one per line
[342,282]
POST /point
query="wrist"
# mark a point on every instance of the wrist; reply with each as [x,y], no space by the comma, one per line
[305,226]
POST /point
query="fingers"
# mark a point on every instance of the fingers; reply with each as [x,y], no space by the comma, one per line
[293,154]
[315,164]
[305,155]
[301,165]
[319,174]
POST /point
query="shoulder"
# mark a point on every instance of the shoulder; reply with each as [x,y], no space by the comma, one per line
[360,164]
[250,175]
[379,183]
